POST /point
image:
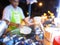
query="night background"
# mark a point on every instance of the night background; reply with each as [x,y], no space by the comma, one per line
[36,9]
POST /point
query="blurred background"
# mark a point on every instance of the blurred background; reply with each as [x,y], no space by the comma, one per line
[39,8]
[46,12]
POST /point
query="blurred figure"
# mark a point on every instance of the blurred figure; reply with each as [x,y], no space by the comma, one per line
[13,16]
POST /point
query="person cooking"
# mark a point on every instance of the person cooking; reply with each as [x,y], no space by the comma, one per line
[13,16]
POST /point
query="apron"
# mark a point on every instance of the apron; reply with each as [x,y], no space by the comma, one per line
[16,17]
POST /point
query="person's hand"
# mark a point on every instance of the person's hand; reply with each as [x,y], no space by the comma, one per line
[17,25]
[30,24]
[21,26]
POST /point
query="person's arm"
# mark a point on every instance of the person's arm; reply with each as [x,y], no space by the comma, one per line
[28,22]
[11,23]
